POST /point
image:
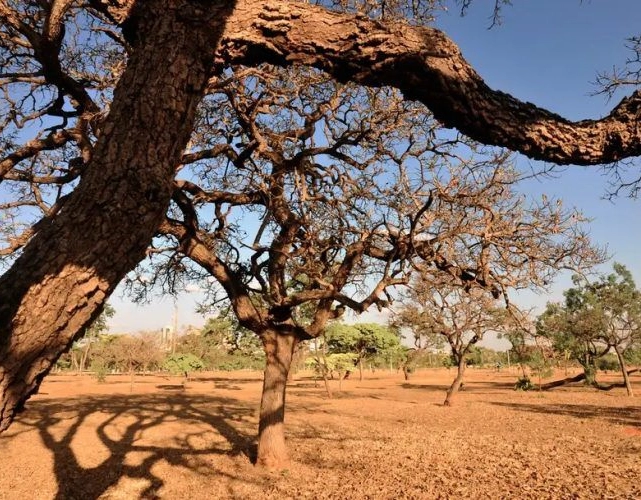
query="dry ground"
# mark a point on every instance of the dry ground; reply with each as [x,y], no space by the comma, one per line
[380,438]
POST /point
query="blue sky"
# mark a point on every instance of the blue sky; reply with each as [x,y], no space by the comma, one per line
[547,52]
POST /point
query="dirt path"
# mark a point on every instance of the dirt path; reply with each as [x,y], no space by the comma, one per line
[380,438]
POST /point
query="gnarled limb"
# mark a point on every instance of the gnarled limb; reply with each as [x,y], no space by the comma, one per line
[426,66]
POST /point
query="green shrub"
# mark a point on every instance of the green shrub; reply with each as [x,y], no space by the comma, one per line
[100,370]
[608,362]
[524,384]
[183,364]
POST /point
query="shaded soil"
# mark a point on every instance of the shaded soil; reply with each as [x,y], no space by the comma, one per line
[379,438]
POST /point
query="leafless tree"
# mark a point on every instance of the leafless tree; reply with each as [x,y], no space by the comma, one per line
[334,194]
[445,310]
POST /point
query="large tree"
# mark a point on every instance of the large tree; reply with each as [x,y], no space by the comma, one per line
[125,150]
[309,198]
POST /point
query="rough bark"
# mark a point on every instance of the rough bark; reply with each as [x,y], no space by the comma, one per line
[279,349]
[456,384]
[624,371]
[73,264]
[426,66]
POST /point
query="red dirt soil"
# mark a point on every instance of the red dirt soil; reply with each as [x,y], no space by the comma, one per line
[379,438]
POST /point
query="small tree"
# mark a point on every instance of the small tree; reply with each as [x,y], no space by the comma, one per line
[595,319]
[128,353]
[362,340]
[444,309]
[183,364]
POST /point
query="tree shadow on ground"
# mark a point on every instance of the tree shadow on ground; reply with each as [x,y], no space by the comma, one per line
[425,387]
[628,415]
[121,424]
[223,380]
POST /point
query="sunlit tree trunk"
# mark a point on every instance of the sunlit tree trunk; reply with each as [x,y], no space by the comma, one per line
[83,359]
[624,371]
[456,384]
[279,349]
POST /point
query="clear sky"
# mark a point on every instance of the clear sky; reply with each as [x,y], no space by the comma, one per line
[547,52]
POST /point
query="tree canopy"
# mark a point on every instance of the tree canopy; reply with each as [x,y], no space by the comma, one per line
[596,317]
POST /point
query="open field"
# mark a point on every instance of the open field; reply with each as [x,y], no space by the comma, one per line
[380,438]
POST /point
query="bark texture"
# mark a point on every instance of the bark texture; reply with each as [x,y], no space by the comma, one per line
[279,349]
[426,66]
[58,285]
[581,376]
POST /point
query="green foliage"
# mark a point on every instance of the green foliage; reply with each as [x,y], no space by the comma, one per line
[341,362]
[540,366]
[223,345]
[361,339]
[595,318]
[482,356]
[99,326]
[633,356]
[337,362]
[183,364]
[524,384]
[609,362]
[236,361]
[100,370]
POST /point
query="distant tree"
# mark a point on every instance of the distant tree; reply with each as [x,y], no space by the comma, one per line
[596,318]
[183,364]
[361,340]
[441,308]
[222,343]
[91,335]
[128,353]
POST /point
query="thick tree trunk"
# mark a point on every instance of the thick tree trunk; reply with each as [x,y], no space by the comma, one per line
[279,349]
[581,376]
[360,369]
[562,382]
[58,286]
[456,384]
[624,371]
[589,370]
